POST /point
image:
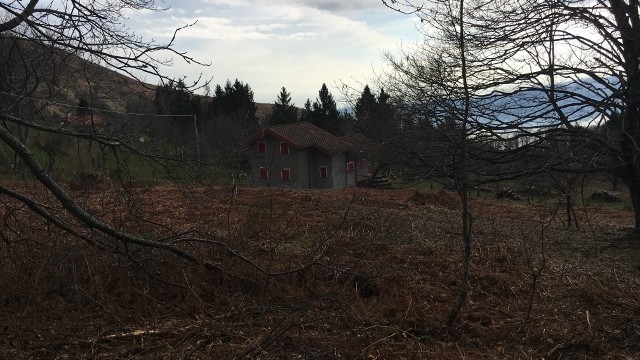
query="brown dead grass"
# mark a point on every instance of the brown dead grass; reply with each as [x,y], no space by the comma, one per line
[389,273]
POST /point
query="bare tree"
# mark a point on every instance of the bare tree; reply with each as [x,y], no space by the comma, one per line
[559,70]
[433,94]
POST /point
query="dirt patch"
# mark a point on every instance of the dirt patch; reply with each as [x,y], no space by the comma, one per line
[325,274]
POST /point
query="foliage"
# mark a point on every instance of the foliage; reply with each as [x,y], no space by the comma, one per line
[323,112]
[231,118]
[376,116]
[236,100]
[174,98]
[284,112]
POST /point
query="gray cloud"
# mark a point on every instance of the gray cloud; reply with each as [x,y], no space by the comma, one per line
[341,6]
[334,6]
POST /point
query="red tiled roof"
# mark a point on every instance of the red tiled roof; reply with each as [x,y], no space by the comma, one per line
[302,135]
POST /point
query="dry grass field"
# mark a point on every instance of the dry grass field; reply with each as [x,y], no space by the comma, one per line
[332,274]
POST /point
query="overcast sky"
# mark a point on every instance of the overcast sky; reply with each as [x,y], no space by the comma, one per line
[299,44]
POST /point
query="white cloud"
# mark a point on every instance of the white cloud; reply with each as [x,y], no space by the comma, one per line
[294,43]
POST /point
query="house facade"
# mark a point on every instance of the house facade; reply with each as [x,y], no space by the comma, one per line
[302,156]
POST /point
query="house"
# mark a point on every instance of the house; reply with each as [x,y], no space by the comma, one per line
[303,156]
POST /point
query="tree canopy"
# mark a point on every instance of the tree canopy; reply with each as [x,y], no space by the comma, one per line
[323,112]
[235,100]
[376,116]
[284,112]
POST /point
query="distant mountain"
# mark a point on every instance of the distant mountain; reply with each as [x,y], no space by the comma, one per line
[60,79]
[56,78]
[582,101]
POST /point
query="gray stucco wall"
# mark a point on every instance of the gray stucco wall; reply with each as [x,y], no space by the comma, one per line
[295,161]
[339,174]
[317,159]
[304,165]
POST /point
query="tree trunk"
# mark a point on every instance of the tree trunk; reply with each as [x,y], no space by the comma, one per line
[634,194]
[462,182]
[567,198]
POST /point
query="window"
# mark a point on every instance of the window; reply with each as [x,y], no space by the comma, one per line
[324,172]
[264,173]
[361,164]
[350,166]
[285,174]
[262,147]
[284,148]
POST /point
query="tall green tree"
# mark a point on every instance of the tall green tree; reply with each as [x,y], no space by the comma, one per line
[324,112]
[284,112]
[235,100]
[366,106]
[308,110]
[233,114]
[174,98]
[376,116]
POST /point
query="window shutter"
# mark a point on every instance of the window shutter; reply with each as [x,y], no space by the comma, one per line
[285,174]
[350,166]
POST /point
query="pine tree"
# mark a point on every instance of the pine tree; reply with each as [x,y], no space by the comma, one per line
[386,113]
[174,98]
[324,112]
[375,115]
[283,111]
[233,112]
[235,100]
[366,107]
[308,110]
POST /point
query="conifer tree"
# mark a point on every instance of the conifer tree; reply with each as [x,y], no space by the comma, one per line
[324,112]
[366,108]
[283,111]
[308,110]
[235,100]
[375,115]
[233,112]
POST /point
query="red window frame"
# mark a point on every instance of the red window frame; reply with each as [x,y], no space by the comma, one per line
[362,164]
[264,173]
[262,146]
[350,166]
[324,172]
[284,148]
[285,174]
